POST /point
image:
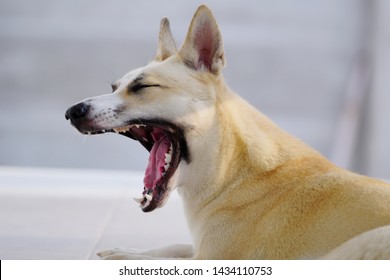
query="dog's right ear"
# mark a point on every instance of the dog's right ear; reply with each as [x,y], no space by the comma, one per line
[166,43]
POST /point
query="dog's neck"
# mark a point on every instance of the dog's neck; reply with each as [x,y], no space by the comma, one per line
[227,151]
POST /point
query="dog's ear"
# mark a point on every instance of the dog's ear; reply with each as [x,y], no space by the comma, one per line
[203,48]
[166,43]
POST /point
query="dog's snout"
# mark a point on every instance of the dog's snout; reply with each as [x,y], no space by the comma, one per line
[77,111]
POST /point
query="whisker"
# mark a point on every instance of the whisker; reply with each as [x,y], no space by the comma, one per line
[85,139]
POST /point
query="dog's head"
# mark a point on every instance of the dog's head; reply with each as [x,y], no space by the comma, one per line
[161,104]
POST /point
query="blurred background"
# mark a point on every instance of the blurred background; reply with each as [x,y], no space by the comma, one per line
[319,68]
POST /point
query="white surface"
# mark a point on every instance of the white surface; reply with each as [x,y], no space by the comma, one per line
[72,214]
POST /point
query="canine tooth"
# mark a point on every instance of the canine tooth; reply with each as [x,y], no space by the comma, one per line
[103,130]
[89,133]
[118,129]
[146,204]
[138,200]
[168,158]
[137,125]
[148,197]
[143,138]
[166,167]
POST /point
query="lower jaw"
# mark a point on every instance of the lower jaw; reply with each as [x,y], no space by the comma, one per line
[157,196]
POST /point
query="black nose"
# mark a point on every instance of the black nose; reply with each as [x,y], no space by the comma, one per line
[77,111]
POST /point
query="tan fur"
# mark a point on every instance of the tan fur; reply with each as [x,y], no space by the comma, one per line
[251,191]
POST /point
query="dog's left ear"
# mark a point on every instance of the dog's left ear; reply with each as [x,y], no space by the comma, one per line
[166,43]
[203,48]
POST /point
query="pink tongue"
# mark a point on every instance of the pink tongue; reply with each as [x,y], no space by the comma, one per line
[156,164]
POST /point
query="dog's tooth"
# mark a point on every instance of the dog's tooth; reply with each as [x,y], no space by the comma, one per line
[148,197]
[166,167]
[89,133]
[146,204]
[122,129]
[138,200]
[168,158]
[137,125]
[103,130]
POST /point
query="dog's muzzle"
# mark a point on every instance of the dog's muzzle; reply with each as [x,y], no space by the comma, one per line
[164,140]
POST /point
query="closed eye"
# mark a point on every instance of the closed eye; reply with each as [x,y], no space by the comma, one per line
[137,87]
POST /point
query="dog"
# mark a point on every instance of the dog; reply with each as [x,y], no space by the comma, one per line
[249,189]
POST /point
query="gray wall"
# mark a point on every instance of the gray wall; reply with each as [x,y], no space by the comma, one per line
[291,59]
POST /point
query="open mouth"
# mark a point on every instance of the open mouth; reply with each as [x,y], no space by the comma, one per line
[167,147]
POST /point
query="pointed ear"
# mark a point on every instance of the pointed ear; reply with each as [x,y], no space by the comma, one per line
[203,48]
[166,43]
